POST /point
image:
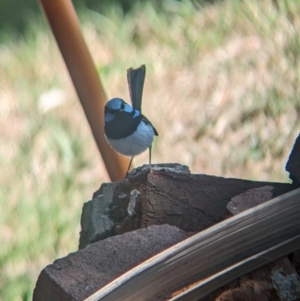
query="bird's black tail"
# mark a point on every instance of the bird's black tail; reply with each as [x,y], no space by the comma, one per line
[136,78]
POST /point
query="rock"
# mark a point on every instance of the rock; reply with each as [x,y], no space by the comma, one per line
[80,274]
[250,199]
[295,260]
[276,281]
[164,194]
[96,223]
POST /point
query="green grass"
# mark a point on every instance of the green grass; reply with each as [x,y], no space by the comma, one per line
[222,89]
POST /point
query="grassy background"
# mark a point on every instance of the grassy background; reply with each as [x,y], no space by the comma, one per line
[222,89]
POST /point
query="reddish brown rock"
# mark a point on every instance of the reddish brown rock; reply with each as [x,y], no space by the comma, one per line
[250,199]
[164,194]
[80,274]
[277,281]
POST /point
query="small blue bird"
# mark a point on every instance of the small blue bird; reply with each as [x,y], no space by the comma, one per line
[126,129]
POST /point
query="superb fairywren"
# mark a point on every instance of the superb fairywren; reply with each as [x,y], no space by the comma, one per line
[126,129]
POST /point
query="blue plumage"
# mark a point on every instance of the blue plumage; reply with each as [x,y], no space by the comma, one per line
[126,129]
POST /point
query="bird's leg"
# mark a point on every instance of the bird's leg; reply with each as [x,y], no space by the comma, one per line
[150,148]
[129,166]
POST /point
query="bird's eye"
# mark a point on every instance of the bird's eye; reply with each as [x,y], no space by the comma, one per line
[122,106]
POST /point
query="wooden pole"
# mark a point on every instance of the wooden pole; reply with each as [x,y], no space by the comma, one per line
[64,23]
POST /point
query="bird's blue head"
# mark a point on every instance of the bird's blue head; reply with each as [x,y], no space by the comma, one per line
[118,105]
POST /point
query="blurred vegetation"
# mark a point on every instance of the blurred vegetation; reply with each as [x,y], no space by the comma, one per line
[222,89]
[15,15]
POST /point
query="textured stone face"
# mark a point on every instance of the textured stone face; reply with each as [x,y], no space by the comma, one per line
[164,194]
[250,199]
[79,274]
[129,221]
[276,281]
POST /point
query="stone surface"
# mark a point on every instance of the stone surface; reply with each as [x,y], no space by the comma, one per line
[164,194]
[295,260]
[293,164]
[276,281]
[96,222]
[250,199]
[80,274]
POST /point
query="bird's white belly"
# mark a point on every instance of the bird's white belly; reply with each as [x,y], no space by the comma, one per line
[136,143]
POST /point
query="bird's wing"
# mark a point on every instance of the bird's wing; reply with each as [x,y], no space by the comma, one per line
[136,78]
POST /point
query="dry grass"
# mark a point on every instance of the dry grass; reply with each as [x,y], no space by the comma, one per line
[224,84]
[222,89]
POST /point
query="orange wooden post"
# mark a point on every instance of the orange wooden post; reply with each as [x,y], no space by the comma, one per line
[64,23]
